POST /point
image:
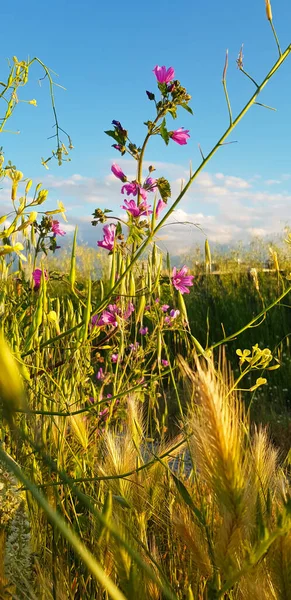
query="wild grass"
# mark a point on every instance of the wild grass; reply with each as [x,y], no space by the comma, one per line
[130,462]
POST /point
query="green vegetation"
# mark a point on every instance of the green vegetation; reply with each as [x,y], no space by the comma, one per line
[132,460]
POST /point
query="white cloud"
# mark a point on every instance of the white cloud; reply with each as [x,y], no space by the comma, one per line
[273,181]
[233,182]
[224,207]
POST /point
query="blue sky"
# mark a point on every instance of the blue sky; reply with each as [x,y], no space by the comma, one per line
[104,53]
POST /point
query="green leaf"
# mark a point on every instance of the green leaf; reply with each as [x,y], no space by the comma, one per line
[164,132]
[119,136]
[164,188]
[122,501]
[118,230]
[135,234]
[173,112]
[187,498]
[186,107]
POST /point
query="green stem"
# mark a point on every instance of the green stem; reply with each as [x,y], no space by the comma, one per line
[276,38]
[247,75]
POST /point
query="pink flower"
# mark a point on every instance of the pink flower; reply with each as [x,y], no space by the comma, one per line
[137,211]
[134,347]
[165,307]
[165,363]
[100,375]
[129,311]
[109,237]
[117,171]
[56,228]
[150,184]
[114,358]
[133,188]
[144,330]
[174,313]
[103,414]
[180,136]
[163,74]
[181,281]
[160,206]
[108,317]
[36,275]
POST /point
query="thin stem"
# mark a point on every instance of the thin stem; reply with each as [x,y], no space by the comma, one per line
[276,38]
[252,322]
[247,75]
[225,88]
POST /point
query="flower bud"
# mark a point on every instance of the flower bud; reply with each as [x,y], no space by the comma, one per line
[28,186]
[32,217]
[269,10]
[150,95]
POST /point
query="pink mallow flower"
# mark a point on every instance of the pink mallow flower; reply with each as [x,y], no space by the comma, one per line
[173,315]
[165,363]
[117,171]
[109,316]
[114,358]
[181,281]
[109,237]
[160,206]
[180,136]
[100,375]
[134,347]
[150,184]
[135,210]
[36,275]
[56,228]
[144,330]
[133,188]
[165,307]
[163,74]
[128,311]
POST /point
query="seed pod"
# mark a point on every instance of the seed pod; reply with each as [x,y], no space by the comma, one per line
[101,290]
[28,186]
[141,307]
[154,256]
[207,257]
[73,260]
[182,307]
[159,346]
[11,387]
[113,268]
[131,285]
[269,10]
[84,330]
[32,237]
[168,263]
